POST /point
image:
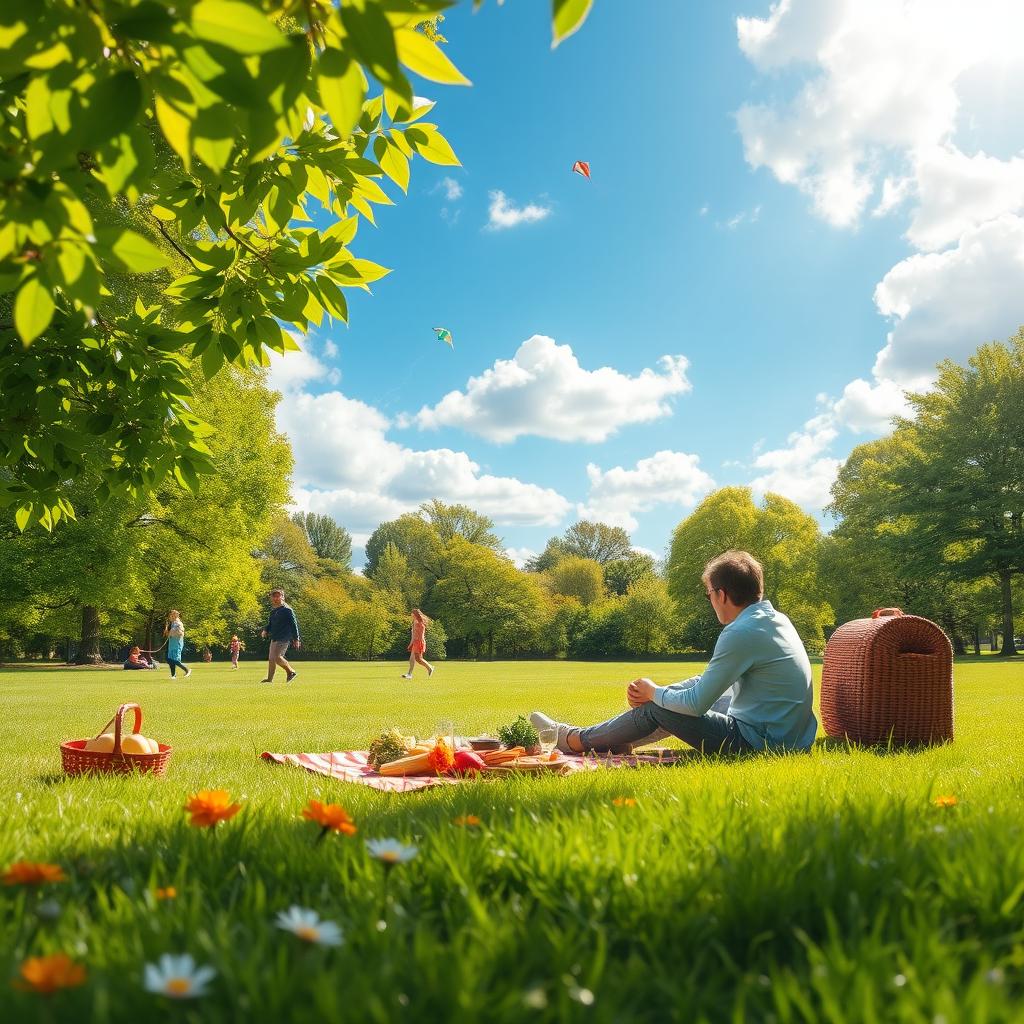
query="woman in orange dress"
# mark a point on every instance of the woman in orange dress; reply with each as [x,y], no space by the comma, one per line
[418,644]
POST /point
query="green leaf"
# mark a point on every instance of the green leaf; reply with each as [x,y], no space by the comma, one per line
[431,145]
[426,58]
[373,41]
[213,136]
[23,515]
[175,126]
[113,105]
[33,309]
[567,17]
[131,250]
[392,162]
[342,87]
[239,26]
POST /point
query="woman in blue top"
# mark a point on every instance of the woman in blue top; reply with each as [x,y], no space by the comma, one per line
[175,633]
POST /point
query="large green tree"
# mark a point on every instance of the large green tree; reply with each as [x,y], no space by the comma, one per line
[597,541]
[214,128]
[787,542]
[945,493]
[330,541]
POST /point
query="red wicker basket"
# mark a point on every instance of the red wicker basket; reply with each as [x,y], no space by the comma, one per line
[76,759]
[888,679]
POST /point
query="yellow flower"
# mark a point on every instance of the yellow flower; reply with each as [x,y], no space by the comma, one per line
[26,872]
[624,801]
[467,821]
[210,806]
[330,817]
[946,800]
[48,973]
[168,893]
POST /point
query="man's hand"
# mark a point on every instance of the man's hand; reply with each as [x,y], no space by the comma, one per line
[640,691]
[298,643]
[263,633]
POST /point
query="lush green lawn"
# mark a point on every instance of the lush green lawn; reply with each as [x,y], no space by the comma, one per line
[806,888]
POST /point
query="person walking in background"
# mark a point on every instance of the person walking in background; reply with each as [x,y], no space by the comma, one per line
[175,633]
[235,647]
[418,644]
[283,629]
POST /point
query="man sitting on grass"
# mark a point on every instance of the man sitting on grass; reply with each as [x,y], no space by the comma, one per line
[758,653]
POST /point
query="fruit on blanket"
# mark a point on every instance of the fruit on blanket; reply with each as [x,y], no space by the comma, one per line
[136,743]
[468,763]
[101,744]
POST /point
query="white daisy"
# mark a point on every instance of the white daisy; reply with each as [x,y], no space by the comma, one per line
[178,977]
[391,851]
[306,925]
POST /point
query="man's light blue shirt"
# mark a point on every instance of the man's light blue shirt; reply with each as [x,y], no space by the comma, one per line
[761,656]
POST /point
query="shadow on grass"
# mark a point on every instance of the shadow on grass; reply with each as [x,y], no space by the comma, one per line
[888,749]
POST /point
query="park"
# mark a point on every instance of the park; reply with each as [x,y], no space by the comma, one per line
[477,543]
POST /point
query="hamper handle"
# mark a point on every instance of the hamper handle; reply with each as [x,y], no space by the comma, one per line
[879,613]
[117,722]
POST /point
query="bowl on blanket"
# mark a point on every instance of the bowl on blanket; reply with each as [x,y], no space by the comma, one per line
[484,743]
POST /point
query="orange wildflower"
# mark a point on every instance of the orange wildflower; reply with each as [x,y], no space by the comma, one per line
[210,806]
[467,821]
[167,893]
[947,800]
[48,973]
[26,872]
[330,817]
[441,758]
[624,801]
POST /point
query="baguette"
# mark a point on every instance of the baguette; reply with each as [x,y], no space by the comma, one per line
[414,764]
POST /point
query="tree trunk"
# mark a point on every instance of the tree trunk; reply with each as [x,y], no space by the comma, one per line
[1005,579]
[977,640]
[89,645]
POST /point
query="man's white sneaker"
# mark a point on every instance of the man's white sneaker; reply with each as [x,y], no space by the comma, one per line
[188,673]
[406,675]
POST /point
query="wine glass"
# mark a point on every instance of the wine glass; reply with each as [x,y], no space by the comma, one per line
[548,739]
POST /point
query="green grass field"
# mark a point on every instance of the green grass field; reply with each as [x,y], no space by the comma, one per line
[822,887]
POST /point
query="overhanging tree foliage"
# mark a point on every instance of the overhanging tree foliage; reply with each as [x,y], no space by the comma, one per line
[210,128]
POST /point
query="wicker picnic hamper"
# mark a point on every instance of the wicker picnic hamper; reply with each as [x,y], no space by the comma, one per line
[76,760]
[888,679]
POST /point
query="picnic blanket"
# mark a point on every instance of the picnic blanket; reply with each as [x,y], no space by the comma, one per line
[352,766]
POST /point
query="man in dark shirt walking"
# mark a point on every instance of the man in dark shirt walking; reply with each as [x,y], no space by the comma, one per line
[283,629]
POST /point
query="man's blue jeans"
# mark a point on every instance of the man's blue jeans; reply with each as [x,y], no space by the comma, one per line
[712,733]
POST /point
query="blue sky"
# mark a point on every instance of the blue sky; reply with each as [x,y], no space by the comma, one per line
[754,183]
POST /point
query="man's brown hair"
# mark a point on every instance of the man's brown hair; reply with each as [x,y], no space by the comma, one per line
[739,574]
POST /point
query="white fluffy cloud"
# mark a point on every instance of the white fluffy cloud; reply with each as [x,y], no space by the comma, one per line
[946,304]
[346,465]
[452,189]
[869,407]
[801,471]
[542,390]
[666,477]
[503,213]
[868,113]
[520,556]
[884,85]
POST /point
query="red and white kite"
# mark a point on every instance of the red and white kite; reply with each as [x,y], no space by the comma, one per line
[582,167]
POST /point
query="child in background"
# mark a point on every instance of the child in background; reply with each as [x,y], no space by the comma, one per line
[235,648]
[137,660]
[418,644]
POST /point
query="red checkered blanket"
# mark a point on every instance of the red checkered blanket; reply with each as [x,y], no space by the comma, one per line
[352,766]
